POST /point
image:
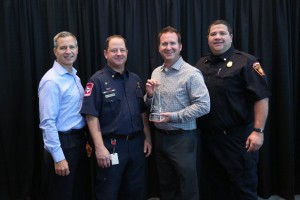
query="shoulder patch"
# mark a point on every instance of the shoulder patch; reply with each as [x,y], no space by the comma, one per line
[257,67]
[88,90]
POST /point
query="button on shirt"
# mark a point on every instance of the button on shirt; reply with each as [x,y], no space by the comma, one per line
[183,93]
[116,100]
[60,99]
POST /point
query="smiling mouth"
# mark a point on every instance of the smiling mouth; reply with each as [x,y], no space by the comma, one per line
[168,53]
[217,43]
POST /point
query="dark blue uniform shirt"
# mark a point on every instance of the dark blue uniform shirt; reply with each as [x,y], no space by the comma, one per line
[235,80]
[117,100]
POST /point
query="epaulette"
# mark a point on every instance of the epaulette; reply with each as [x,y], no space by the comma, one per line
[97,73]
[251,57]
[101,71]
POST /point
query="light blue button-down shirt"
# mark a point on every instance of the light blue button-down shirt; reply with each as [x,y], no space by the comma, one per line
[60,99]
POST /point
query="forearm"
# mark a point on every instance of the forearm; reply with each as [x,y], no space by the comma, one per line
[102,154]
[146,126]
[95,131]
[199,100]
[197,109]
[261,109]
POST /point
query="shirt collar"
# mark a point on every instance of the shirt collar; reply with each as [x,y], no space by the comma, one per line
[115,74]
[61,70]
[177,65]
[224,57]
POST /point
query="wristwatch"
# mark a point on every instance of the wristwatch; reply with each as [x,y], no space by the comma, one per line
[259,130]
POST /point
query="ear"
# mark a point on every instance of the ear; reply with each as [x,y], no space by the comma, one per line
[104,53]
[54,51]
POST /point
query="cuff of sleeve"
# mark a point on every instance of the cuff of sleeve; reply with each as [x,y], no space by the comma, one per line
[148,97]
[174,117]
[58,155]
[148,100]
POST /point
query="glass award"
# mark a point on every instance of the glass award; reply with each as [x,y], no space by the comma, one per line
[155,110]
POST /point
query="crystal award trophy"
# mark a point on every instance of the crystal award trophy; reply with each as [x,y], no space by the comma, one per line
[155,109]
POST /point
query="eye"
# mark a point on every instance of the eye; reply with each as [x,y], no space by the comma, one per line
[72,47]
[165,44]
[63,48]
[114,50]
[173,43]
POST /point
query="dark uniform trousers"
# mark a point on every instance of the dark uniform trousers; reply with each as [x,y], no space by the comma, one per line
[228,168]
[126,180]
[176,160]
[73,186]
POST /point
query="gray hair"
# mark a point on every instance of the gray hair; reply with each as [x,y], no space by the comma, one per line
[62,35]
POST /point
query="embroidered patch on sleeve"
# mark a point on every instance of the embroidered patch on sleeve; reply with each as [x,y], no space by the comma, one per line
[257,67]
[88,89]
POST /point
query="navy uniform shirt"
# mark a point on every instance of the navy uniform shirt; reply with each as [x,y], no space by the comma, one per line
[235,80]
[116,100]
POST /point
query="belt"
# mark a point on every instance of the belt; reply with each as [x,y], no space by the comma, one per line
[172,132]
[72,131]
[124,137]
[233,130]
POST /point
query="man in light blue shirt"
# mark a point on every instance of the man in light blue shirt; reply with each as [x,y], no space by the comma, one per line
[60,99]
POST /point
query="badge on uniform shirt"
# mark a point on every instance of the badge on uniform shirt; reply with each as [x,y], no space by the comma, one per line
[229,64]
[109,93]
[257,67]
[138,84]
[88,89]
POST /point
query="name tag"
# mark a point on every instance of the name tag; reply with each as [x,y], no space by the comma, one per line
[110,95]
[114,158]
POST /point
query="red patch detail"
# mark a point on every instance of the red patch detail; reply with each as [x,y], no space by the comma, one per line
[88,89]
[257,67]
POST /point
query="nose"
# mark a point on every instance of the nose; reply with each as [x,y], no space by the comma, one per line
[218,35]
[68,50]
[168,46]
[119,51]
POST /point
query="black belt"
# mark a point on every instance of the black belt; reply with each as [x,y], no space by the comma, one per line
[172,132]
[124,137]
[72,131]
[233,130]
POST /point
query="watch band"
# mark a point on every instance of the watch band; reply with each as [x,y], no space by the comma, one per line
[259,130]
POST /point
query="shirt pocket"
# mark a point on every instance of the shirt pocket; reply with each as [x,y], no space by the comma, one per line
[111,102]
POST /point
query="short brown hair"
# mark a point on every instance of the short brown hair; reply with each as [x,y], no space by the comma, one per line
[106,44]
[168,29]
